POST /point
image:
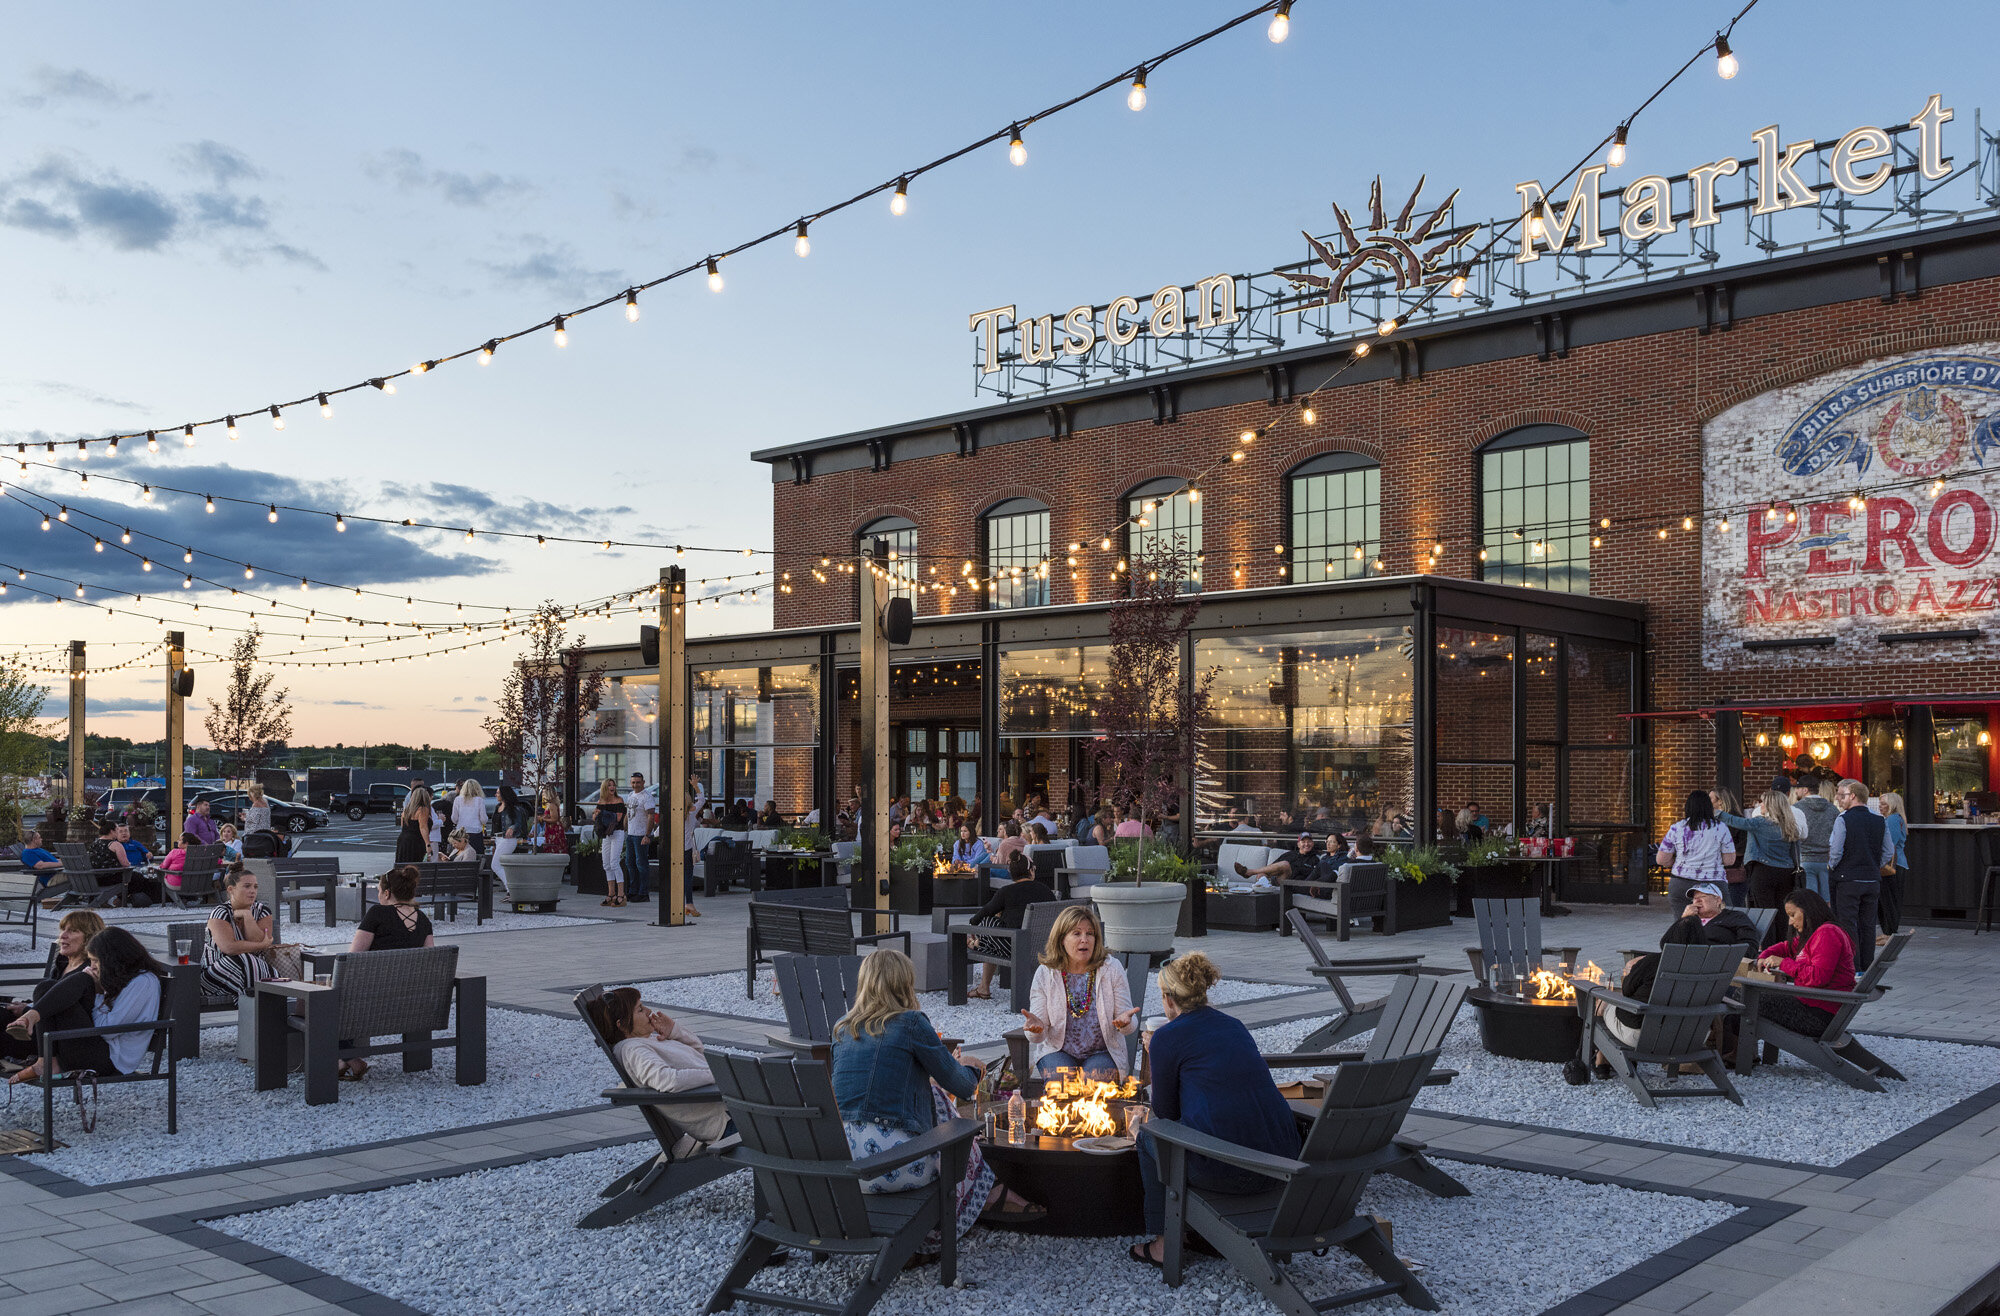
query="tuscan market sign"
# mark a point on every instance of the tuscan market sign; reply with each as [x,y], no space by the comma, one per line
[1386,261]
[1859,505]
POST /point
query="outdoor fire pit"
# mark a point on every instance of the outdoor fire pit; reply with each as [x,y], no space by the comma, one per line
[1089,1194]
[1533,1019]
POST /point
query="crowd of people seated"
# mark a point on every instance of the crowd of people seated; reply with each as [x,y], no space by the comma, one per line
[101,976]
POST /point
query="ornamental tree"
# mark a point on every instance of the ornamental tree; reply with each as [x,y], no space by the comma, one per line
[250,721]
[543,703]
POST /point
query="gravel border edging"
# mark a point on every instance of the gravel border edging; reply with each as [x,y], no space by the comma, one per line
[1608,1295]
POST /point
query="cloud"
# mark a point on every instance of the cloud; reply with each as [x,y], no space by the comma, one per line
[62,388]
[453,503]
[226,210]
[58,199]
[93,707]
[221,165]
[697,160]
[408,171]
[344,703]
[48,85]
[554,268]
[283,251]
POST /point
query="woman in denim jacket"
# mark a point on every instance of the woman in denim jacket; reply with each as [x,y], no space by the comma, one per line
[893,1081]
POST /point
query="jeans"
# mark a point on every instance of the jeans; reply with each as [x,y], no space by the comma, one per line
[635,867]
[1786,1012]
[1817,878]
[1201,1173]
[1854,910]
[1098,1064]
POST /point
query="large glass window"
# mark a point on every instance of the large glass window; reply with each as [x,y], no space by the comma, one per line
[901,535]
[1304,722]
[1534,486]
[1052,692]
[1017,554]
[1336,517]
[754,730]
[1164,513]
[622,734]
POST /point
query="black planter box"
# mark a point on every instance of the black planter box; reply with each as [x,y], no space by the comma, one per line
[589,872]
[1416,905]
[1242,911]
[1497,882]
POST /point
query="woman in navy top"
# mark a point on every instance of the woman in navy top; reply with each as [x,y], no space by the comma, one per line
[1207,1074]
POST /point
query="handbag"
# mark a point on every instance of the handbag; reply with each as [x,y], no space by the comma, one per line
[286,961]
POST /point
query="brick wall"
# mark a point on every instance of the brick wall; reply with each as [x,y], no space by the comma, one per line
[1642,401]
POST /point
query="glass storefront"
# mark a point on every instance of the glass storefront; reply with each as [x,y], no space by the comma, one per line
[755,732]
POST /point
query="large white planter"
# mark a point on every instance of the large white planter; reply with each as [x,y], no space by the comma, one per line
[534,879]
[1138,918]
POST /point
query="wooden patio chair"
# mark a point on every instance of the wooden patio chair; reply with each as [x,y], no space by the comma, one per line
[26,890]
[816,990]
[1352,1018]
[96,887]
[198,873]
[1017,963]
[1510,942]
[809,1186]
[808,921]
[300,880]
[1835,1051]
[1312,1206]
[664,1175]
[1690,992]
[1415,1018]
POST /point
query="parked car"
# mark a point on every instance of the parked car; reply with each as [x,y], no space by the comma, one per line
[382,797]
[228,806]
[120,798]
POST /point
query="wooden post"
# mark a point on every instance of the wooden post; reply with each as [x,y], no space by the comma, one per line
[873,748]
[76,796]
[172,818]
[672,735]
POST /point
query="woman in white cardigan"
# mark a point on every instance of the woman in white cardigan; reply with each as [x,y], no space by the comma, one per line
[1080,1007]
[665,1055]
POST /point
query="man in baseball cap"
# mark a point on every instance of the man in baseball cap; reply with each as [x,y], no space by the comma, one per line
[1706,922]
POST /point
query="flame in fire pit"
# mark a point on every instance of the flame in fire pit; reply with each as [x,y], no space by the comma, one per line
[1081,1106]
[943,867]
[1542,985]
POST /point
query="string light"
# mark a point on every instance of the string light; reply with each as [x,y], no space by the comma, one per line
[325,407]
[1458,282]
[277,417]
[208,504]
[1725,59]
[152,441]
[1135,99]
[486,351]
[1617,154]
[1017,150]
[272,514]
[1309,416]
[187,435]
[562,331]
[340,524]
[231,422]
[900,202]
[801,243]
[1387,327]
[1281,23]
[714,275]
[1361,348]
[385,385]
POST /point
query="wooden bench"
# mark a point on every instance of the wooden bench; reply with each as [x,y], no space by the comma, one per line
[811,921]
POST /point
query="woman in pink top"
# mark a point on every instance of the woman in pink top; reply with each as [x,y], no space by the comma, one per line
[1011,844]
[176,860]
[1129,824]
[1817,954]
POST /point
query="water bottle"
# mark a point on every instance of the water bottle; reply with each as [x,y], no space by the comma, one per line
[1017,1118]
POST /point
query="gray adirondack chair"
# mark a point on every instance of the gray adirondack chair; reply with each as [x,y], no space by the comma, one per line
[1415,1018]
[662,1176]
[1138,965]
[1017,965]
[1352,1018]
[1690,992]
[198,872]
[816,990]
[1510,942]
[1835,1051]
[93,886]
[1313,1209]
[809,1185]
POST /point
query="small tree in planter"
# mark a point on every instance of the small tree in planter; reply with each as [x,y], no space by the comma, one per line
[1151,721]
[535,723]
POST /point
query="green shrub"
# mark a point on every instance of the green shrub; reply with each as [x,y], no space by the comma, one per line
[1163,863]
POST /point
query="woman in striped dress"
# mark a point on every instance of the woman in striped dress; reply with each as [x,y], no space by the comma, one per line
[238,934]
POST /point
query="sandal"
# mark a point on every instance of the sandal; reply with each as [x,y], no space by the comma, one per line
[978,994]
[607,901]
[356,1074]
[1027,1213]
[1143,1254]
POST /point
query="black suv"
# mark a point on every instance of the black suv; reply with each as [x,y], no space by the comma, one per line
[228,807]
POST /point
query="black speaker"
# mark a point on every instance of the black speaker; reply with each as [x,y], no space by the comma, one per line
[184,683]
[649,645]
[897,619]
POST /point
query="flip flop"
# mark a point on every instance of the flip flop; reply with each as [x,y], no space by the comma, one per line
[1030,1214]
[978,994]
[1143,1254]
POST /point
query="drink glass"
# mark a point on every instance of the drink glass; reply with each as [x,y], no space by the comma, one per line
[182,947]
[1136,1115]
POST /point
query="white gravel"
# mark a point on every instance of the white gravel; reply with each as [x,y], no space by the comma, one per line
[534,1063]
[149,925]
[1791,1111]
[975,1021]
[669,1260]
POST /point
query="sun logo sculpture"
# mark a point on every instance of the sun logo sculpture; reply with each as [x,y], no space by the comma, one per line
[1391,247]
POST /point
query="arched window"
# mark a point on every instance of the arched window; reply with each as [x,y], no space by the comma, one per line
[1534,509]
[902,564]
[1160,512]
[1017,554]
[1336,505]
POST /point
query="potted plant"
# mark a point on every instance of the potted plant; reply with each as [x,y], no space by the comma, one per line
[588,865]
[802,838]
[1489,876]
[1420,889]
[144,822]
[1151,720]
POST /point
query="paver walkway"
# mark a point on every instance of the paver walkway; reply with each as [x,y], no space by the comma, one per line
[1903,1227]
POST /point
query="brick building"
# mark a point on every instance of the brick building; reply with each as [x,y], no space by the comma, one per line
[1752,503]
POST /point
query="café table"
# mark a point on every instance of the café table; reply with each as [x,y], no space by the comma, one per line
[275,1040]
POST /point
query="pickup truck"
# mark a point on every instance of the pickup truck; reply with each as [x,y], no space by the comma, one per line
[382,797]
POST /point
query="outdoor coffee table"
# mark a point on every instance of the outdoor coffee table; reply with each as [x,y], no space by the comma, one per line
[1088,1194]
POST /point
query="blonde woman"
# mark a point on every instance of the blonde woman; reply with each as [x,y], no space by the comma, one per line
[257,813]
[1771,851]
[413,840]
[893,1081]
[608,821]
[227,838]
[1896,839]
[468,815]
[1208,1075]
[1080,1007]
[549,822]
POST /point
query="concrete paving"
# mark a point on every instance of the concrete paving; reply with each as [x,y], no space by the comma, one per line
[1905,1227]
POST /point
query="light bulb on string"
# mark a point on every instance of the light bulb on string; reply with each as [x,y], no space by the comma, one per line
[1361,348]
[277,417]
[125,537]
[486,351]
[1616,156]
[63,514]
[187,435]
[187,554]
[1135,99]
[562,331]
[385,385]
[899,202]
[1457,288]
[340,523]
[1017,150]
[1281,23]
[1387,327]
[230,422]
[272,515]
[1725,59]
[714,275]
[152,441]
[420,368]
[801,243]
[208,503]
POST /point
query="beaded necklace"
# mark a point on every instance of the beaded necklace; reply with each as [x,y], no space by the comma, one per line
[1078,997]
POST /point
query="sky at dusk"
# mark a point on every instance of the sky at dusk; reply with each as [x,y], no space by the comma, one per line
[208,207]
